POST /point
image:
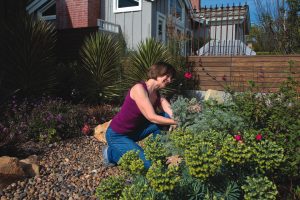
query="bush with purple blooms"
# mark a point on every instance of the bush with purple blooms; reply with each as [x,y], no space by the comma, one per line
[55,119]
[48,119]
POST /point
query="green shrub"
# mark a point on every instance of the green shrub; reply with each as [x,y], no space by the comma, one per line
[235,152]
[278,115]
[131,163]
[27,56]
[182,138]
[55,119]
[162,178]
[138,190]
[202,160]
[183,115]
[149,52]
[110,188]
[212,116]
[260,188]
[101,68]
[268,155]
[155,149]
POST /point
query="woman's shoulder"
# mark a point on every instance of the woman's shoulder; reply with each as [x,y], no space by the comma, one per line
[138,86]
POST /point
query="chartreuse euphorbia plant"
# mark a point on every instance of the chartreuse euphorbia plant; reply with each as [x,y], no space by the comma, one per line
[259,188]
[214,164]
[202,160]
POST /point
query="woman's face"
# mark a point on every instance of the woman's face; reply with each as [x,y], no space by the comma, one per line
[163,81]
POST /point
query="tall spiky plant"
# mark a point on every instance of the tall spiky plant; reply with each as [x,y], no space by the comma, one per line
[27,55]
[100,57]
[149,52]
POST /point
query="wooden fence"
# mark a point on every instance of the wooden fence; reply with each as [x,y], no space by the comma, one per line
[218,72]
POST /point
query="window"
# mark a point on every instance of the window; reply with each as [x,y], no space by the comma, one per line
[161,27]
[177,10]
[127,5]
[48,12]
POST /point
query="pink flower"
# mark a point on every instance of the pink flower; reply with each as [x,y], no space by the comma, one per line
[258,137]
[238,137]
[86,129]
[188,75]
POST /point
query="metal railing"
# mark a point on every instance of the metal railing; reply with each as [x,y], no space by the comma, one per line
[220,31]
[108,26]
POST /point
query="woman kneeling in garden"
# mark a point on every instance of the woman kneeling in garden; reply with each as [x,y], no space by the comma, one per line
[137,118]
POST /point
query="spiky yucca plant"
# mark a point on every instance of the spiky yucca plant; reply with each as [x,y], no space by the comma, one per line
[100,56]
[149,52]
[27,55]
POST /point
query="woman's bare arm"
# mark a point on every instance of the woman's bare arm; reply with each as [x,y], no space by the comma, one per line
[140,96]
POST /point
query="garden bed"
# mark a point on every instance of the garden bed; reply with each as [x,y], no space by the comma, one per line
[71,169]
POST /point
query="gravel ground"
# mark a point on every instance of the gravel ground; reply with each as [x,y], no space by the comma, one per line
[71,169]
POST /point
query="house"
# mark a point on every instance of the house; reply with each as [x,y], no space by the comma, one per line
[136,20]
[200,30]
[224,30]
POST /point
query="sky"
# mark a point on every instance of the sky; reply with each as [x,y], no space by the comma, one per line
[253,15]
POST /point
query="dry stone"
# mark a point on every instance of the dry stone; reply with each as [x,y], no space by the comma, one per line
[216,95]
[10,171]
[30,166]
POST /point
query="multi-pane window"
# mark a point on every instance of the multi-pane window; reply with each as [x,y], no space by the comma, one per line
[177,10]
[48,12]
[161,27]
[127,5]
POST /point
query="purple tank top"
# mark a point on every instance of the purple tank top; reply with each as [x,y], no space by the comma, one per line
[130,118]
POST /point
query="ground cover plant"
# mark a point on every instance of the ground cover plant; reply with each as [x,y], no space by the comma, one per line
[49,119]
[245,148]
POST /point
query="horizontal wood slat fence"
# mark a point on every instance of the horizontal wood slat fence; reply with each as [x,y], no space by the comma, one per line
[218,72]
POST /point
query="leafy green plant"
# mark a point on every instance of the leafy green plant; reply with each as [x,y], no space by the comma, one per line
[27,56]
[110,188]
[268,155]
[235,152]
[202,160]
[260,188]
[155,149]
[131,163]
[162,178]
[182,113]
[212,116]
[101,68]
[182,138]
[138,190]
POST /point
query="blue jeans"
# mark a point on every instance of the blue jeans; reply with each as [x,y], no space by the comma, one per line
[119,144]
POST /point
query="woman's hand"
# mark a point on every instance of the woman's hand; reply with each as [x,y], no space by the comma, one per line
[172,127]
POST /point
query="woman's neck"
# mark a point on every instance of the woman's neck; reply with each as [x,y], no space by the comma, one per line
[151,85]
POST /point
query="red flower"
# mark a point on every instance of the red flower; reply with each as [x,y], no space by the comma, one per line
[258,137]
[238,137]
[188,75]
[86,129]
[224,78]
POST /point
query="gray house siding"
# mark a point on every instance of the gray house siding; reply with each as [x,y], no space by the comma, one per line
[135,25]
[161,7]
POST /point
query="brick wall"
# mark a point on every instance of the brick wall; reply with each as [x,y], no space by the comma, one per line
[77,13]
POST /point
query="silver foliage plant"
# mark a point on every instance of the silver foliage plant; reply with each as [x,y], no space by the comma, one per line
[200,116]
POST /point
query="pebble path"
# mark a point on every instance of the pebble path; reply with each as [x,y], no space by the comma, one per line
[70,170]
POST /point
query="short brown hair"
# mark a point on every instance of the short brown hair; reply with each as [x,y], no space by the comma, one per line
[161,69]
